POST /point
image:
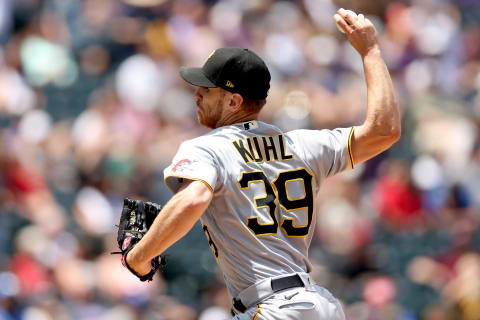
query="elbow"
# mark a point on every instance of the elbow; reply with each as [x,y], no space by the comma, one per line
[386,137]
[389,131]
[396,128]
[395,134]
[386,132]
[391,137]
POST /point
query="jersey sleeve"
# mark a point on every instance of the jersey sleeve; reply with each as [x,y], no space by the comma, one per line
[326,151]
[193,162]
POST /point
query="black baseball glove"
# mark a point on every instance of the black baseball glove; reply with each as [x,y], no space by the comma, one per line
[137,217]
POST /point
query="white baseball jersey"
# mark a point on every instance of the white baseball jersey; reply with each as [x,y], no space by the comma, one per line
[262,217]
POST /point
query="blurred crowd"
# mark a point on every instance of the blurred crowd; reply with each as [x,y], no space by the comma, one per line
[92,110]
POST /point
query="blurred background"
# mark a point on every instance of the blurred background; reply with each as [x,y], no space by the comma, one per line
[92,109]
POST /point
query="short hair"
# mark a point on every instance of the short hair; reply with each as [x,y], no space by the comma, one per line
[253,105]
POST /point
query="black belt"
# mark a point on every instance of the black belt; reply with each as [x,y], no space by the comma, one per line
[277,285]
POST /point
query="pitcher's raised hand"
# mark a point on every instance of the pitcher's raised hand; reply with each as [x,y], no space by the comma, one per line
[360,31]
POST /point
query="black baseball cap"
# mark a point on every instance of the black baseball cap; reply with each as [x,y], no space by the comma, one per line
[237,70]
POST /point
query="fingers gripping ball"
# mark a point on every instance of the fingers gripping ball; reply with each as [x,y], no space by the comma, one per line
[339,28]
[350,13]
[136,218]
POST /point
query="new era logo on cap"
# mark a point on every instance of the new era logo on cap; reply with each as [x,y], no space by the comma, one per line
[211,54]
[236,70]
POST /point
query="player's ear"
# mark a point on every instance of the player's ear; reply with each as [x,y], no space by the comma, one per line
[236,101]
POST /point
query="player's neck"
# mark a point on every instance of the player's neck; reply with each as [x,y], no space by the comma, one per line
[237,118]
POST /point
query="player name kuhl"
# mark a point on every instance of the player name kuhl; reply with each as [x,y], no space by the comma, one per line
[271,148]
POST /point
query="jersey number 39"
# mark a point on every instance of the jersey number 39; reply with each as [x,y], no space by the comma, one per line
[278,191]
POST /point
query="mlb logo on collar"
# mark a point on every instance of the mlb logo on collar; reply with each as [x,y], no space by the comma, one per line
[250,125]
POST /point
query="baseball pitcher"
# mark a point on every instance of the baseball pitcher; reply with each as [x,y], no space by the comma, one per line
[253,186]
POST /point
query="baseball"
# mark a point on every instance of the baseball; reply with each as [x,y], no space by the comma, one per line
[350,13]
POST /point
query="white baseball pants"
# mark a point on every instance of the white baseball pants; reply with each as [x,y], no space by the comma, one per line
[306,303]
